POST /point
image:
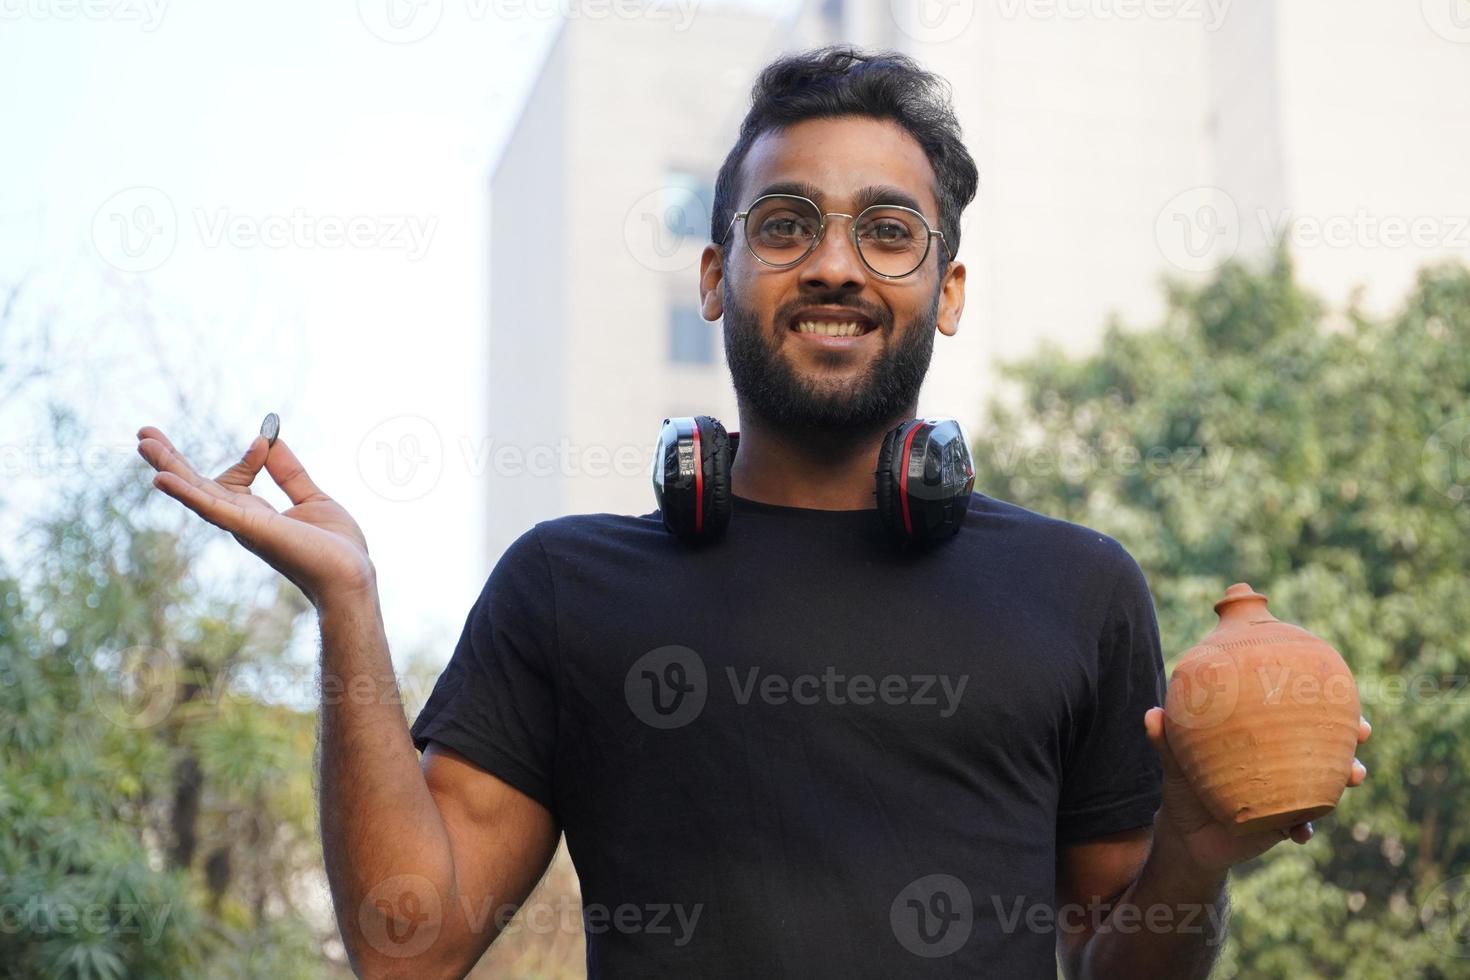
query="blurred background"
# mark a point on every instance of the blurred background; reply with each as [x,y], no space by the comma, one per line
[1218,307]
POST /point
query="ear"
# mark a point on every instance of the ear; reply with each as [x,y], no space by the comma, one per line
[711,276]
[952,299]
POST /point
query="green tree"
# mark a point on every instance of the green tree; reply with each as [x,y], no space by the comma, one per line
[1251,437]
[156,806]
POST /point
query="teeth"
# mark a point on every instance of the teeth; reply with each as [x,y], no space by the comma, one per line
[828,329]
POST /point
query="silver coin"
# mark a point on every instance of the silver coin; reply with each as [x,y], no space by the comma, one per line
[271,428]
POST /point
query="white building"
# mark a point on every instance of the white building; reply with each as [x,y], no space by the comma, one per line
[1117,141]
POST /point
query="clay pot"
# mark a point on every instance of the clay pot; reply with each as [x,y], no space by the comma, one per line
[1263,718]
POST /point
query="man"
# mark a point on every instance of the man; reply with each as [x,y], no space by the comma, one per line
[794,753]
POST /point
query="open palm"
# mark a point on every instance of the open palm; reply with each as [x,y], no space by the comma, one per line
[315,543]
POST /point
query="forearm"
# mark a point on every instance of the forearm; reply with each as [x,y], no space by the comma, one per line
[1171,922]
[383,838]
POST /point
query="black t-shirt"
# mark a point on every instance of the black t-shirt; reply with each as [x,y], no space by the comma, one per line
[796,753]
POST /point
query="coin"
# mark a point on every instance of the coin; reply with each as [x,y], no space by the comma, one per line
[271,428]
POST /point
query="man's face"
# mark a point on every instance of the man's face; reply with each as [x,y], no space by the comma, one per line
[783,371]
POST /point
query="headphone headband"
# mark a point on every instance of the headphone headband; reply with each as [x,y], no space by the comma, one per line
[923,482]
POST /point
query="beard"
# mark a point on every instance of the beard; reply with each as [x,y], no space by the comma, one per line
[769,389]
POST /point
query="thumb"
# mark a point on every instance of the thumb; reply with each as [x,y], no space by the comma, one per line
[242,474]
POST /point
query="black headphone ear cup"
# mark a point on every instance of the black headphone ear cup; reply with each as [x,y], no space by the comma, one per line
[886,483]
[717,455]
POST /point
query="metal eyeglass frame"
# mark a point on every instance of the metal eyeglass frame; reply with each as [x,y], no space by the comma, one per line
[822,231]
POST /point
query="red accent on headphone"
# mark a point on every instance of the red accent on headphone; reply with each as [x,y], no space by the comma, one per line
[698,484]
[903,480]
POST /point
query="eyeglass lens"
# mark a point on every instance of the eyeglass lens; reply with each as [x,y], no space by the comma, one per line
[893,241]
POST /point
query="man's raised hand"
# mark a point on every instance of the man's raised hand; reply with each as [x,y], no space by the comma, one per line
[315,543]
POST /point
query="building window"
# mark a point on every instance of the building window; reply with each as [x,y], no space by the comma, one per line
[688,200]
[691,337]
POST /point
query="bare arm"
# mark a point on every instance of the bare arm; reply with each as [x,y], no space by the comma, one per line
[425,859]
[1161,891]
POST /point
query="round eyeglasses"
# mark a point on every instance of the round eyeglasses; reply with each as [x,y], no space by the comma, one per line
[782,229]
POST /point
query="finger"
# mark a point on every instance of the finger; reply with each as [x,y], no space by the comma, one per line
[213,507]
[242,474]
[1364,729]
[1359,773]
[162,456]
[1302,832]
[289,474]
[152,432]
[1153,724]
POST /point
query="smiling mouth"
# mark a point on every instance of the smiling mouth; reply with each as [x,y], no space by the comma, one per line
[831,327]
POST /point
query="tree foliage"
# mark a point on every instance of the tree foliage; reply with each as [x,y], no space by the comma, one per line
[156,806]
[1250,436]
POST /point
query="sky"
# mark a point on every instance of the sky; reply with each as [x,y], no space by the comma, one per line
[228,210]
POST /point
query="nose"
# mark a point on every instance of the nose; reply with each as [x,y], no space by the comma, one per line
[835,263]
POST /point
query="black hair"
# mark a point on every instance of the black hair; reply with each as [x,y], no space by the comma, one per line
[842,80]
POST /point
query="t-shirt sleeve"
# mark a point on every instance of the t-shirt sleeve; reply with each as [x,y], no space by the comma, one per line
[1112,777]
[495,702]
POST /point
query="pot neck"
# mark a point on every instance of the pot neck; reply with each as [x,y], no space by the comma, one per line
[1241,603]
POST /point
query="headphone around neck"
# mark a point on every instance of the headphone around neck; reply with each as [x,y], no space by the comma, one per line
[923,482]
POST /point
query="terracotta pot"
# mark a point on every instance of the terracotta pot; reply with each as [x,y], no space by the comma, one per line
[1263,718]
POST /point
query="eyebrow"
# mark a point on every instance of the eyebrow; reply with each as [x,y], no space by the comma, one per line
[866,197]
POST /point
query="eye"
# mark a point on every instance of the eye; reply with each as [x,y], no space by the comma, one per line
[888,232]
